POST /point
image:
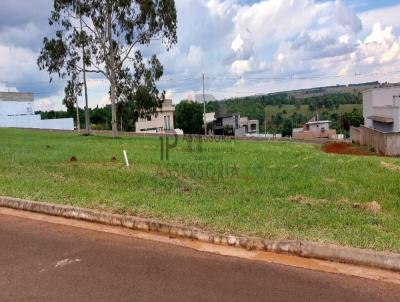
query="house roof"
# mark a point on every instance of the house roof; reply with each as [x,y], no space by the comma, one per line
[393,86]
[382,119]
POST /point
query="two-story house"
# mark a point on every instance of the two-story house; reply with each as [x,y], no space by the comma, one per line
[160,122]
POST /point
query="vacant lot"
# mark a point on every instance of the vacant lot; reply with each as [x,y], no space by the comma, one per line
[268,189]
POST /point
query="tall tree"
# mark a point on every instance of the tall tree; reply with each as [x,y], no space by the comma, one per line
[189,117]
[72,91]
[112,33]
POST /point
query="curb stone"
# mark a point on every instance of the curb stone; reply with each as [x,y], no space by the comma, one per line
[382,260]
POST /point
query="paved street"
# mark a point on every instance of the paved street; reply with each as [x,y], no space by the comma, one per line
[41,261]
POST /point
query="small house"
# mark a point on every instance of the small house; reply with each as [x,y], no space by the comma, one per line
[314,128]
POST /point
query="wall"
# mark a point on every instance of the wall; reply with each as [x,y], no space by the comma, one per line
[318,127]
[15,108]
[314,134]
[367,107]
[355,135]
[383,143]
[34,122]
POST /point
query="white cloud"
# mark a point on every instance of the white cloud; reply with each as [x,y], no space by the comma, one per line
[237,44]
[387,16]
[380,46]
[240,67]
[105,100]
[346,17]
[195,55]
[17,64]
[228,39]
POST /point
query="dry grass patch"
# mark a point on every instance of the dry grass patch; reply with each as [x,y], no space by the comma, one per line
[390,166]
[305,200]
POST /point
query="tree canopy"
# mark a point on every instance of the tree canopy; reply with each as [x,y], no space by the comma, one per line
[189,117]
[111,35]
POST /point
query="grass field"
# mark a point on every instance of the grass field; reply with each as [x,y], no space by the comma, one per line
[269,189]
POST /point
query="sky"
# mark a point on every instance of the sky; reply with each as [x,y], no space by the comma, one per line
[244,47]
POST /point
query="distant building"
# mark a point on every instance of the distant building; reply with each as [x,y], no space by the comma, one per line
[209,117]
[381,129]
[314,128]
[235,125]
[228,124]
[17,111]
[250,126]
[161,122]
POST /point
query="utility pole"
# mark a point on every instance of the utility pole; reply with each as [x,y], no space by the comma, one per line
[265,123]
[394,99]
[204,104]
[87,126]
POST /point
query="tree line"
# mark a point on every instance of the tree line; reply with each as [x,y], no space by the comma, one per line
[189,115]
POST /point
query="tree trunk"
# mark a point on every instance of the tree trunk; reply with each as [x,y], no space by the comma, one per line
[113,95]
[113,105]
[87,122]
[78,122]
[87,118]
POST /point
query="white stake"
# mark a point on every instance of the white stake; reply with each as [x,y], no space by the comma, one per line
[126,158]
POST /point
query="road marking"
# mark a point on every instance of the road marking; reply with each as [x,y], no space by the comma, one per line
[66,262]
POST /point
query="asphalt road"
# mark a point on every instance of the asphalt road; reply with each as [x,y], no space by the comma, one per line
[41,261]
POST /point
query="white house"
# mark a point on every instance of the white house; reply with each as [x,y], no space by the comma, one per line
[381,109]
[17,111]
[163,121]
[381,129]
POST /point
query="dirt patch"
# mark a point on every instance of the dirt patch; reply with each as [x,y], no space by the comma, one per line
[373,207]
[345,148]
[390,166]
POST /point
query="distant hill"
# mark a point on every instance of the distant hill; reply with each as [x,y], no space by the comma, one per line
[297,106]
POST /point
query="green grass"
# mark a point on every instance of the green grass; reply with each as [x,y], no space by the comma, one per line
[232,187]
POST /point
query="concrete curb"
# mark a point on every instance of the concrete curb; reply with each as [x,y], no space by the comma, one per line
[382,260]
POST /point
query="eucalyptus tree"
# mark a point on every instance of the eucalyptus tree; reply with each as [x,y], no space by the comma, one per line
[72,91]
[112,35]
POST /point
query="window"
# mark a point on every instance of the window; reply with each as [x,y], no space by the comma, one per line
[165,123]
[169,123]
